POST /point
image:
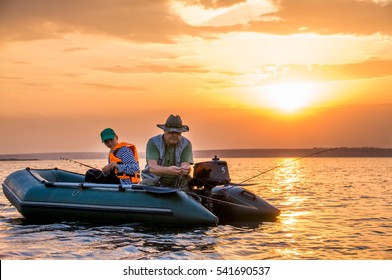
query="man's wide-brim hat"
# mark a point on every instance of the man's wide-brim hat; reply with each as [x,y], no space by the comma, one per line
[174,124]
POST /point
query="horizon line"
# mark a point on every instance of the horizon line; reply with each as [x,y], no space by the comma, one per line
[211,149]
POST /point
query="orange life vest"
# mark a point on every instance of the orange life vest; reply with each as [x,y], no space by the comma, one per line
[135,178]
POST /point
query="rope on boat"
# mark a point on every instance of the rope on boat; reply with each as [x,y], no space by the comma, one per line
[76,192]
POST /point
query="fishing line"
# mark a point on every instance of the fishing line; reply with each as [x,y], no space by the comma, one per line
[286,163]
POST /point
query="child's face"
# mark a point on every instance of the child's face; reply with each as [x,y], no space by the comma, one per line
[111,143]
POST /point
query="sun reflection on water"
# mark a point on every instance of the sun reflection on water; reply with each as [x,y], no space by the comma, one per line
[289,180]
[290,172]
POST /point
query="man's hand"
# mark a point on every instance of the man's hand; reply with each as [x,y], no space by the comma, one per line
[156,169]
[174,170]
[185,168]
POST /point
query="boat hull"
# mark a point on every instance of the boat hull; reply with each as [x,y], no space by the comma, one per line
[240,205]
[39,195]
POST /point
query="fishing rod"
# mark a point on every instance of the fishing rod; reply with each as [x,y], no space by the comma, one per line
[286,163]
[81,163]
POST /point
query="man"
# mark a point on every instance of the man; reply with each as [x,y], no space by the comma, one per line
[123,162]
[169,156]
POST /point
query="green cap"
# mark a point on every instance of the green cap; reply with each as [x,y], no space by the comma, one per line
[107,133]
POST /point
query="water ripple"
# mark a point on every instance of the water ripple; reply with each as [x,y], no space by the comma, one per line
[331,209]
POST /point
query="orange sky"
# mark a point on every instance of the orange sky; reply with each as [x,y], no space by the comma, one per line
[242,74]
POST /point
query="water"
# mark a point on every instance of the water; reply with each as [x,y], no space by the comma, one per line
[332,208]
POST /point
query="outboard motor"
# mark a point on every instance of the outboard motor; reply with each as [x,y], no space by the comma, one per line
[211,182]
[211,173]
[206,176]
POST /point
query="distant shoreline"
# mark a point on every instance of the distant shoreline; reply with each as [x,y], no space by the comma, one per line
[18,159]
[318,152]
[222,153]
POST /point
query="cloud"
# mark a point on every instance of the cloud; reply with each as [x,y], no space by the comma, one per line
[10,78]
[365,70]
[267,74]
[111,87]
[21,62]
[327,17]
[137,20]
[242,14]
[214,4]
[155,21]
[153,69]
[75,50]
[73,75]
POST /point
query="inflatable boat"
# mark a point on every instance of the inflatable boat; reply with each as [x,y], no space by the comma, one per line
[55,194]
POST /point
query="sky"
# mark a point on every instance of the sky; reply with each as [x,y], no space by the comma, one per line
[241,73]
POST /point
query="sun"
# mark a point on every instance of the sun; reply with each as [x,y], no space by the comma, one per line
[289,97]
